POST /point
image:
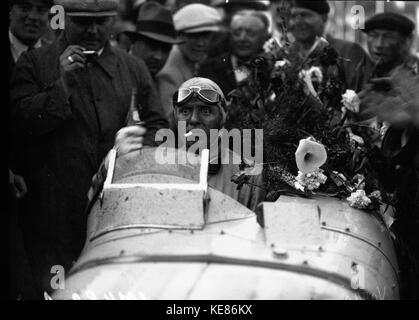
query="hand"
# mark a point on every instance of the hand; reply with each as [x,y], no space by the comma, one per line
[71,59]
[129,139]
[400,105]
[18,185]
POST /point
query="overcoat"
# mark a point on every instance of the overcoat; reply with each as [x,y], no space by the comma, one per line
[59,143]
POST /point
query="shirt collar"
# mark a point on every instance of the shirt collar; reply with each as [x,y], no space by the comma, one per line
[18,47]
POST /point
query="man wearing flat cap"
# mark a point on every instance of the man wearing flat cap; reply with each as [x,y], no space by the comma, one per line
[308,21]
[154,36]
[391,95]
[196,24]
[68,101]
[310,49]
[390,38]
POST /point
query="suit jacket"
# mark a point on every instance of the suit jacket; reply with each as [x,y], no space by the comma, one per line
[176,71]
[220,70]
[60,143]
[355,62]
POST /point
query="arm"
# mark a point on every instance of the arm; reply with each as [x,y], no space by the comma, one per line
[36,110]
[127,140]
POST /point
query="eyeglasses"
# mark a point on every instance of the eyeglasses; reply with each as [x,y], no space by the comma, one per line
[206,95]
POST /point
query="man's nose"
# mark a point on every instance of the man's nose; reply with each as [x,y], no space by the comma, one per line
[379,41]
[158,54]
[34,13]
[194,118]
[242,35]
[202,41]
[92,28]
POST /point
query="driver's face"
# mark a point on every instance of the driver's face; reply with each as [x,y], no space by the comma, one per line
[199,115]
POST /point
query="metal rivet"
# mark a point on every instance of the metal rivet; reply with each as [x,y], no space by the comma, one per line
[272,245]
[305,262]
[379,243]
[192,232]
[321,248]
[347,229]
[323,223]
[280,252]
[222,232]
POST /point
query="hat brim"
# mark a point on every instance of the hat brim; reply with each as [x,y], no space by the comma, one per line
[201,29]
[154,36]
[92,14]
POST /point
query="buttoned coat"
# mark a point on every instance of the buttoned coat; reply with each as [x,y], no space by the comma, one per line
[59,143]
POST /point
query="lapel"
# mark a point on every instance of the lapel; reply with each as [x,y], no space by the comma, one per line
[108,60]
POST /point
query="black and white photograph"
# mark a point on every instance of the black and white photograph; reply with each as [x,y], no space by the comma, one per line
[213,154]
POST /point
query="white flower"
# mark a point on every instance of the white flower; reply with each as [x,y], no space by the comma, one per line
[281,63]
[354,138]
[376,195]
[359,181]
[310,155]
[384,128]
[272,45]
[314,74]
[310,181]
[359,199]
[351,101]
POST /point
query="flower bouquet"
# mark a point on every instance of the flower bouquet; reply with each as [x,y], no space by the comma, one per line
[309,144]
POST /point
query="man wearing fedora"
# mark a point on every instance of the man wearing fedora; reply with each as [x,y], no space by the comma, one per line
[154,36]
[69,99]
[196,24]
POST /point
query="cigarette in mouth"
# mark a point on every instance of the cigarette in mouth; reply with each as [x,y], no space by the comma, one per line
[188,134]
[89,52]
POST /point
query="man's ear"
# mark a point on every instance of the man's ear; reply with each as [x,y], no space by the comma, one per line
[409,42]
[112,22]
[324,18]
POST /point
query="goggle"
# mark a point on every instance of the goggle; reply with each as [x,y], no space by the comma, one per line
[206,95]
